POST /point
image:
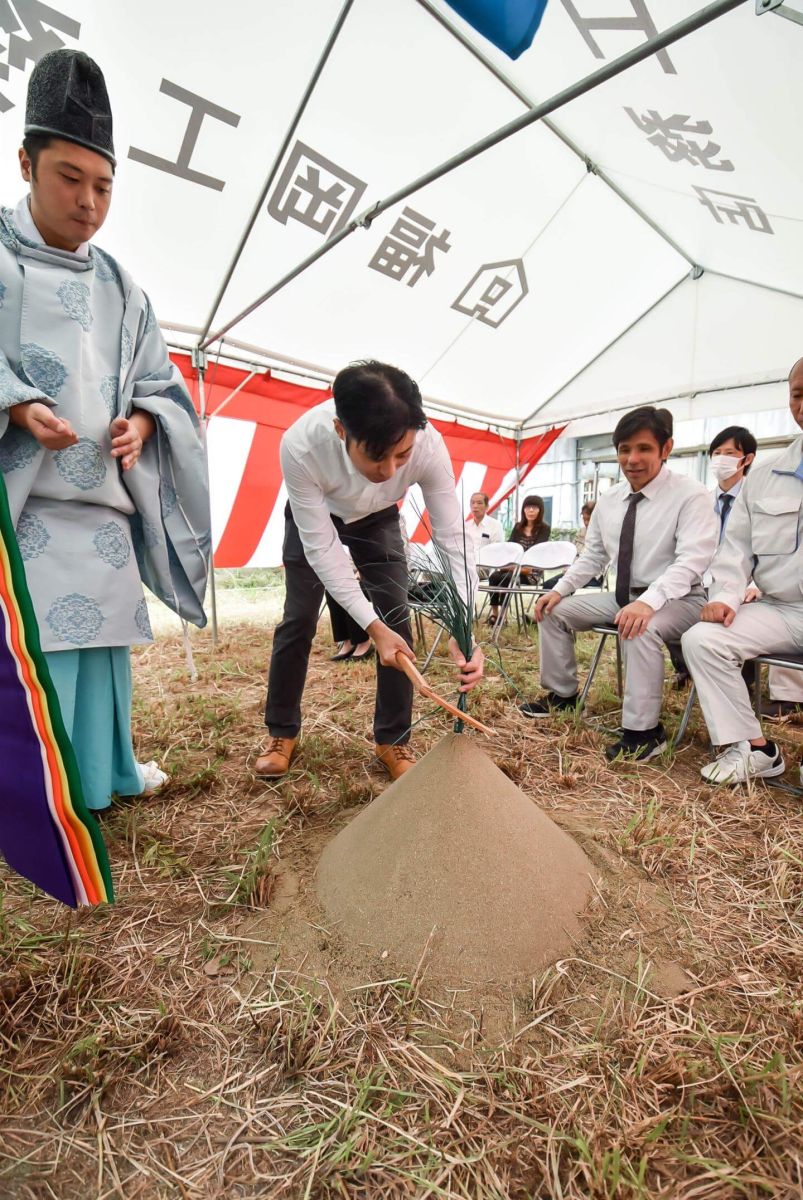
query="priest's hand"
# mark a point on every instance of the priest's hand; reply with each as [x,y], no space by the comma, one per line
[129,435]
[50,431]
[471,671]
[388,644]
[633,619]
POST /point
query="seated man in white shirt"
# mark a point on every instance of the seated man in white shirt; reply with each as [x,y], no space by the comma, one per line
[482,529]
[659,530]
[346,464]
[762,541]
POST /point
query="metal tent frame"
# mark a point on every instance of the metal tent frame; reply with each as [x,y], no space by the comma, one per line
[206,337]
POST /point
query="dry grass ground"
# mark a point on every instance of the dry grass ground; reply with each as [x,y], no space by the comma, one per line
[209,1037]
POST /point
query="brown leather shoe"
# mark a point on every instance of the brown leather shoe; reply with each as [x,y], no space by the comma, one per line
[276,760]
[395,759]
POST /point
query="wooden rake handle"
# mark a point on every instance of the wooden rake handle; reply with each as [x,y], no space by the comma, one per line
[420,684]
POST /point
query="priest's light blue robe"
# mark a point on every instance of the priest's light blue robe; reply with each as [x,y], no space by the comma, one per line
[79,335]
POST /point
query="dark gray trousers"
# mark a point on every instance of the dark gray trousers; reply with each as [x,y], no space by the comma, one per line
[377,551]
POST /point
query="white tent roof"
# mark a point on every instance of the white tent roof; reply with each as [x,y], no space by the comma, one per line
[693,166]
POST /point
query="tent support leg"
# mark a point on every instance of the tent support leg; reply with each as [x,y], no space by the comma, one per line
[200,364]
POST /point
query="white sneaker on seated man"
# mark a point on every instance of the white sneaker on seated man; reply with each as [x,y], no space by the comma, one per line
[660,531]
[762,540]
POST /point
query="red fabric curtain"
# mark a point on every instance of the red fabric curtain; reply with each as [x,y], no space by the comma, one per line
[272,405]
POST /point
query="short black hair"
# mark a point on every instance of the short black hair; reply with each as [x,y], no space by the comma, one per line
[741,437]
[376,405]
[34,143]
[589,507]
[657,421]
[484,497]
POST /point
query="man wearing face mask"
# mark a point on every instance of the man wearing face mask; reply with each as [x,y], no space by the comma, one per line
[731,453]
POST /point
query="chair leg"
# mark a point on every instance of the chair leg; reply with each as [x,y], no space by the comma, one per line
[757,691]
[619,678]
[432,649]
[592,670]
[684,720]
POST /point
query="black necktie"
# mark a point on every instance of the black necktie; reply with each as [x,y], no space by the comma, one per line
[725,502]
[624,562]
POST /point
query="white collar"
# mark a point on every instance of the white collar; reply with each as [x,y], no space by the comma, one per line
[649,489]
[25,224]
[734,491]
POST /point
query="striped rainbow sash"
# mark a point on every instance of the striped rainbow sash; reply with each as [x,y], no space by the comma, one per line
[46,832]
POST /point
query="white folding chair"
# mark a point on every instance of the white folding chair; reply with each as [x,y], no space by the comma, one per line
[494,557]
[423,561]
[545,556]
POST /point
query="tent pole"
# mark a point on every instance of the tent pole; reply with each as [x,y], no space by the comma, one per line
[672,398]
[324,374]
[610,344]
[518,471]
[316,74]
[199,362]
[514,88]
[696,21]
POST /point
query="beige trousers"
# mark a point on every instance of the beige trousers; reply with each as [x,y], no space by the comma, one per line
[714,654]
[643,656]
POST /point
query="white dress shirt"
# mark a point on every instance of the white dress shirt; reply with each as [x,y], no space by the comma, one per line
[488,531]
[322,482]
[675,539]
[764,534]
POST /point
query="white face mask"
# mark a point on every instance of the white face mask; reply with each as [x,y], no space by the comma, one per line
[725,465]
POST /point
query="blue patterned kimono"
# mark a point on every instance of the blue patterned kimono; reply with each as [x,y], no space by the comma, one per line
[77,334]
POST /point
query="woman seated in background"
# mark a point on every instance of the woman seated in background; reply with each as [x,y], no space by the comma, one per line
[353,643]
[529,531]
[579,540]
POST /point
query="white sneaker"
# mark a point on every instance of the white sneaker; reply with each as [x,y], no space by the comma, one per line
[741,762]
[154,778]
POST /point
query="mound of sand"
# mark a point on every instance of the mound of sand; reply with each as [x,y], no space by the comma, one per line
[454,847]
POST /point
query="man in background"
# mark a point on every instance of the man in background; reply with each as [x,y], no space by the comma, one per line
[482,529]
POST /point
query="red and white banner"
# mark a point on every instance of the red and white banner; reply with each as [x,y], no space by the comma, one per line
[248,415]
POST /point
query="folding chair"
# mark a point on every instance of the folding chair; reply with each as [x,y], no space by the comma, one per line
[606,631]
[545,556]
[494,557]
[421,563]
[795,663]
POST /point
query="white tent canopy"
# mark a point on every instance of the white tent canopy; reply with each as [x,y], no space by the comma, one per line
[646,242]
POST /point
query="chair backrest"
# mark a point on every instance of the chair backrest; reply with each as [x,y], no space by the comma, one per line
[550,554]
[500,554]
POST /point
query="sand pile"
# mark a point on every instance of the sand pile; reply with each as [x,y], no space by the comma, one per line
[455,847]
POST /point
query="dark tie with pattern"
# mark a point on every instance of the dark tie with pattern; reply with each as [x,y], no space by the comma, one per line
[725,502]
[624,562]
